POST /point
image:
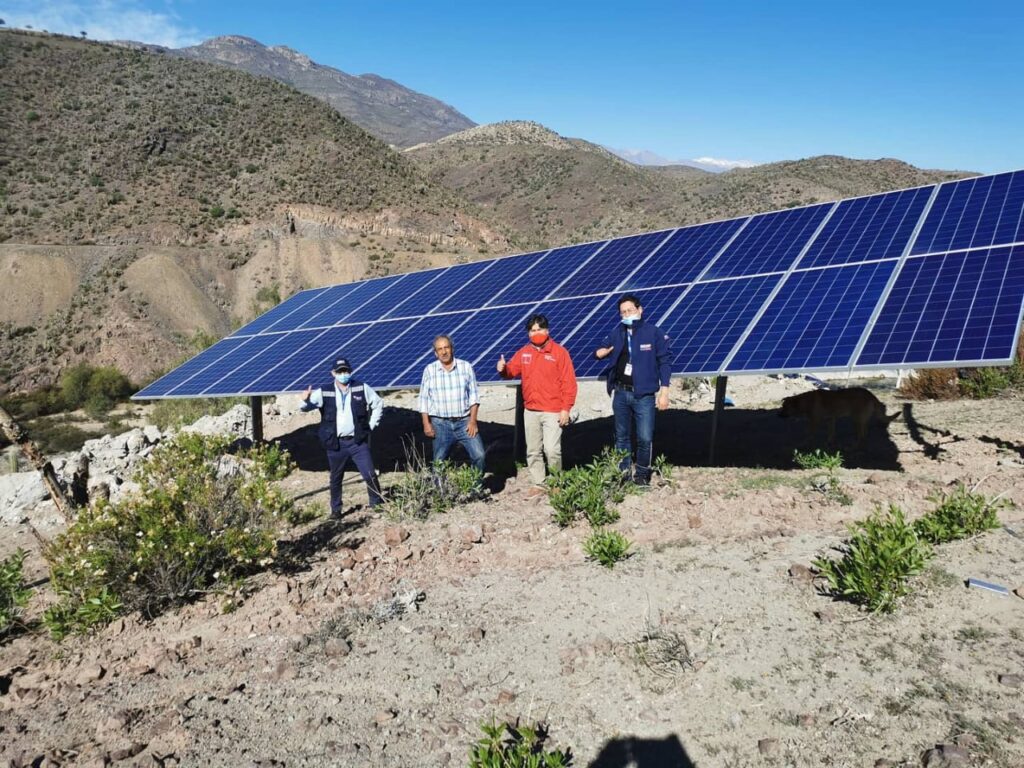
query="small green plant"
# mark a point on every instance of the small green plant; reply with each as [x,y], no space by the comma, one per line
[203,519]
[981,383]
[606,546]
[664,469]
[307,513]
[960,514]
[429,489]
[877,562]
[13,594]
[818,459]
[511,745]
[588,490]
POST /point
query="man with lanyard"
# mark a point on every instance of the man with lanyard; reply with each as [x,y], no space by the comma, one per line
[639,370]
[349,411]
[549,391]
[449,402]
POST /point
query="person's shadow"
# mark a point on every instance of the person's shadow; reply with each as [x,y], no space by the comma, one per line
[635,752]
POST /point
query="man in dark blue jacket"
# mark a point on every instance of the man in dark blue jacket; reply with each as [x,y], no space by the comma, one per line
[349,410]
[640,365]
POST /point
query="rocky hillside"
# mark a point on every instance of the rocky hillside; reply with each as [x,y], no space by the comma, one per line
[143,197]
[388,110]
[552,189]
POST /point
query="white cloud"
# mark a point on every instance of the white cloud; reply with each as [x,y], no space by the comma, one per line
[101,20]
[725,165]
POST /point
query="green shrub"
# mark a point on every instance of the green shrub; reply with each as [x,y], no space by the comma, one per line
[203,519]
[430,489]
[877,561]
[606,546]
[13,594]
[511,745]
[979,383]
[959,515]
[95,388]
[587,491]
[818,459]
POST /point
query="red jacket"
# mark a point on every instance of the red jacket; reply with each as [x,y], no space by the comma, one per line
[549,380]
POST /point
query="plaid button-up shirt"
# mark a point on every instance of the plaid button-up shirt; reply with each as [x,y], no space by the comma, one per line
[449,394]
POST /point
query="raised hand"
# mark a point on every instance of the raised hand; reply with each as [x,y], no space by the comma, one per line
[501,364]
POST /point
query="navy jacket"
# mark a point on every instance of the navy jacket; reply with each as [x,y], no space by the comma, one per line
[328,430]
[651,357]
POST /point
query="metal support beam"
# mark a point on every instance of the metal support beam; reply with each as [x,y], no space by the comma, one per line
[720,383]
[256,406]
[519,431]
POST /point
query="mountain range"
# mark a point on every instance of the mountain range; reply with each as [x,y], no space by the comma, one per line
[145,196]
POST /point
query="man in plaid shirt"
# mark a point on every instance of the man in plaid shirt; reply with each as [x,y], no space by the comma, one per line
[448,404]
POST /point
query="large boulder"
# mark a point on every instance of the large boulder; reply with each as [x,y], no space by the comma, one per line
[20,492]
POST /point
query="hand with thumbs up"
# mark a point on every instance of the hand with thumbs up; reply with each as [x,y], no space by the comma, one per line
[501,364]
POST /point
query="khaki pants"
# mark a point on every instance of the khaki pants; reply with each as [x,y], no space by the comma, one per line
[543,438]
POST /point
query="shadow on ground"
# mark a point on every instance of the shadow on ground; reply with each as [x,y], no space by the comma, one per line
[746,438]
[634,752]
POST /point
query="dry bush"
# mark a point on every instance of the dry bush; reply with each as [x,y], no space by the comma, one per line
[931,384]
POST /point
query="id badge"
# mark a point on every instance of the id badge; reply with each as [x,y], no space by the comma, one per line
[628,370]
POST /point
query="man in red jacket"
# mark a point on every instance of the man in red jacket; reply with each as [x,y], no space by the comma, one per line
[549,391]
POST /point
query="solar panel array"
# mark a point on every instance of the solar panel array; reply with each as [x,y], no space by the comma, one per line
[921,277]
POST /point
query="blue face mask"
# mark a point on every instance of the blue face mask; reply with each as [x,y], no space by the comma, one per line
[342,378]
[629,320]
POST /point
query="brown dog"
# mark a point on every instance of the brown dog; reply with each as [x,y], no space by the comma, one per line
[855,403]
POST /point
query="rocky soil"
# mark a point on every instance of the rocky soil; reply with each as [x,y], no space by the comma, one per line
[710,646]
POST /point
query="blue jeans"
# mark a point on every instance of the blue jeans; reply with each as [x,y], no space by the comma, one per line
[448,432]
[634,411]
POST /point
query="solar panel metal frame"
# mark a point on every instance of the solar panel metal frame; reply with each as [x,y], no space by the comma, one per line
[600,298]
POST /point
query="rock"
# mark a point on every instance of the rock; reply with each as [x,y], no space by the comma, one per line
[945,756]
[506,697]
[152,433]
[1013,681]
[134,441]
[337,647]
[20,492]
[477,633]
[90,673]
[883,763]
[801,573]
[235,422]
[806,720]
[395,535]
[454,687]
[825,615]
[694,520]
[229,466]
[113,726]
[966,740]
[471,534]
[130,751]
[768,747]
[384,717]
[401,553]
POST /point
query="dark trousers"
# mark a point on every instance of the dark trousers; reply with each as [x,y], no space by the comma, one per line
[359,454]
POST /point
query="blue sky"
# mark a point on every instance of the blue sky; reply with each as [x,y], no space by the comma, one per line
[938,84]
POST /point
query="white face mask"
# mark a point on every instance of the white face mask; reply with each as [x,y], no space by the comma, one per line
[343,378]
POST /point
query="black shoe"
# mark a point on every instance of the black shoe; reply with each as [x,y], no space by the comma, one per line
[335,515]
[642,482]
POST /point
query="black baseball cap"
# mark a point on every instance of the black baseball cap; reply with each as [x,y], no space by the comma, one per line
[342,364]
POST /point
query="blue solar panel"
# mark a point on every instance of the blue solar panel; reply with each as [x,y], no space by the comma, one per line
[612,265]
[975,213]
[852,287]
[544,277]
[593,333]
[769,243]
[280,312]
[301,315]
[951,307]
[346,303]
[385,301]
[866,228]
[707,323]
[225,364]
[325,345]
[685,255]
[169,381]
[816,319]
[413,344]
[471,340]
[500,274]
[430,297]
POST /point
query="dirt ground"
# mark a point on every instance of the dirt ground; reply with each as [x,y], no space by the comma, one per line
[700,649]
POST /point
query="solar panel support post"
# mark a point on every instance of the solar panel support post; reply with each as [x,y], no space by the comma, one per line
[519,431]
[720,383]
[256,406]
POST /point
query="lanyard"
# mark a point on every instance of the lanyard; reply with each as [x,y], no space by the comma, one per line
[629,343]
